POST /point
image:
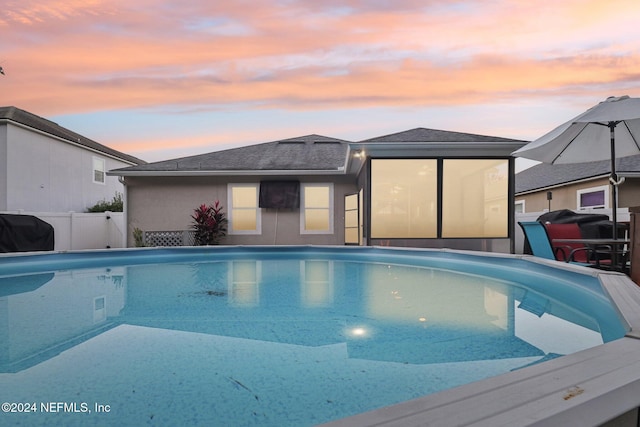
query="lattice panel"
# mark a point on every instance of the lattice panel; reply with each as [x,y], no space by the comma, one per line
[168,238]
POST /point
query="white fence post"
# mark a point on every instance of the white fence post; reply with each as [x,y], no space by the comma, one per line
[72,230]
[107,217]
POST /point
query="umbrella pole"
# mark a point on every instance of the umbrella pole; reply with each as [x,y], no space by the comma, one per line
[614,179]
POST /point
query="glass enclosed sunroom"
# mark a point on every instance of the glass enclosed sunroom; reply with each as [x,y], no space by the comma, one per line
[456,193]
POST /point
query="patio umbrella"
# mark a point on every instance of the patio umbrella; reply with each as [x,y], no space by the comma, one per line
[606,131]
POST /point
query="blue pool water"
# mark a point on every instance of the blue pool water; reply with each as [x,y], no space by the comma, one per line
[286,336]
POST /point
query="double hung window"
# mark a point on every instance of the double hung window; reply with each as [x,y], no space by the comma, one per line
[316,216]
[244,213]
[98,170]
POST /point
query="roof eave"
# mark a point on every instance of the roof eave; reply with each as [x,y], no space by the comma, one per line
[631,174]
[497,148]
[253,172]
[564,184]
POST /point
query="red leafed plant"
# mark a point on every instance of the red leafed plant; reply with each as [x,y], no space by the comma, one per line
[210,224]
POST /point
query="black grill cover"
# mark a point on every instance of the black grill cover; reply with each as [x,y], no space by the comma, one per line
[24,233]
[566,216]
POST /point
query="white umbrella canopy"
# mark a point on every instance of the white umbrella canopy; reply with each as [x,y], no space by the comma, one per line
[587,138]
[607,131]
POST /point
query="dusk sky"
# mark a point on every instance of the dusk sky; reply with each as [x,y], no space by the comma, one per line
[161,79]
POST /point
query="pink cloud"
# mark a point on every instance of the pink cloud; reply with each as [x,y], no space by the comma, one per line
[35,13]
[69,56]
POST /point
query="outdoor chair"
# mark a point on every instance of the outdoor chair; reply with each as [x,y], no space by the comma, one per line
[536,235]
[575,251]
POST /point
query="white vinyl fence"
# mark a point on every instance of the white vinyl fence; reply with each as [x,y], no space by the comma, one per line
[74,231]
[623,216]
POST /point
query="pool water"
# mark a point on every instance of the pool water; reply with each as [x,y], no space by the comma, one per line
[268,338]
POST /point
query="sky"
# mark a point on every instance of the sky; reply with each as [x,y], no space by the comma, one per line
[162,79]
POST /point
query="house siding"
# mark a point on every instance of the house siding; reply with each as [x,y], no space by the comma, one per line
[46,174]
[164,204]
[565,197]
[161,196]
[629,193]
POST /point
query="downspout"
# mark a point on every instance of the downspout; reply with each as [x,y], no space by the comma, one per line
[122,181]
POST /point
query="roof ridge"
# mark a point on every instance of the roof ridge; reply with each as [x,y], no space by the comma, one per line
[435,135]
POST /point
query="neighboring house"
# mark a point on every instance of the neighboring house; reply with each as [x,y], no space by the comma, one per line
[47,168]
[422,187]
[577,186]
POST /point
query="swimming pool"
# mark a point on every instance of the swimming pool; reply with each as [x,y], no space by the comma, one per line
[276,335]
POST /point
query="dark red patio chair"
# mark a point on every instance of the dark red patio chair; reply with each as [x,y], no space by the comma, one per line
[575,251]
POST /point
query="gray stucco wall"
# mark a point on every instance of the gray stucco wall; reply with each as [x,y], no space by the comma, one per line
[165,204]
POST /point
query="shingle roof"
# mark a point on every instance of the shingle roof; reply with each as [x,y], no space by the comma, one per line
[25,118]
[435,135]
[314,153]
[305,153]
[546,175]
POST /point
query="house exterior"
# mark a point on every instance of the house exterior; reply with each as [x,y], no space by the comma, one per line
[422,187]
[47,168]
[577,186]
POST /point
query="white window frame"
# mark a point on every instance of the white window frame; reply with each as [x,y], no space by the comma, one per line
[521,203]
[230,229]
[102,162]
[303,208]
[604,188]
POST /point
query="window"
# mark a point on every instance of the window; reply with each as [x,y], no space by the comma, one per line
[475,198]
[317,209]
[244,213]
[519,206]
[404,198]
[439,198]
[98,170]
[593,198]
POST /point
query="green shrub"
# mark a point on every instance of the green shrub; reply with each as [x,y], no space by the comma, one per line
[115,205]
[138,238]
